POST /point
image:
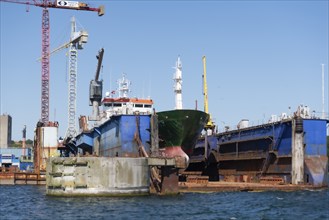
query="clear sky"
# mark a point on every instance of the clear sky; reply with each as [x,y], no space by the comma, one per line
[262,57]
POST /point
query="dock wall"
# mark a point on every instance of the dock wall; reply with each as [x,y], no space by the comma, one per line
[101,176]
[297,152]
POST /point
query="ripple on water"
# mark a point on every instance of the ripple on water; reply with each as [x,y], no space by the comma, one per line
[31,202]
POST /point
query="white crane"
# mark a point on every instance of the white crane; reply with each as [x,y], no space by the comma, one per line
[77,39]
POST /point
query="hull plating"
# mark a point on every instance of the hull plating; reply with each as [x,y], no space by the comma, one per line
[181,128]
[117,136]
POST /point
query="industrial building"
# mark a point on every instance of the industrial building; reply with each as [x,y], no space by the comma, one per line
[5,130]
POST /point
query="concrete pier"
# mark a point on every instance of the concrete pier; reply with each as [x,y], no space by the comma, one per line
[112,176]
[99,176]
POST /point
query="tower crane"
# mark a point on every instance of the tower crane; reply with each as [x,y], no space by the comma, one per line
[45,4]
[210,124]
[73,71]
[77,39]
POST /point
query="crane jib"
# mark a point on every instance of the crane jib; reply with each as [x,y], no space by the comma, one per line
[73,5]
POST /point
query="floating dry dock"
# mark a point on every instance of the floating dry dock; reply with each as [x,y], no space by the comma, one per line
[292,150]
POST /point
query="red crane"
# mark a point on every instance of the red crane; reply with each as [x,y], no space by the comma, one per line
[45,51]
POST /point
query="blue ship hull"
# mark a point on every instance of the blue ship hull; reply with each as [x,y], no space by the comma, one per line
[265,150]
[116,136]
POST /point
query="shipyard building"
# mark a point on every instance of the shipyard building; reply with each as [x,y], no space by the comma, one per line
[12,157]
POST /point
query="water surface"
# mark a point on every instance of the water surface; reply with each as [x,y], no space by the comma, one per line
[31,202]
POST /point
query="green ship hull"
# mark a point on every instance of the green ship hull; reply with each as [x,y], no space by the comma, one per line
[181,128]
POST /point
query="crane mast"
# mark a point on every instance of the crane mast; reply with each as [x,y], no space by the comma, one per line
[81,38]
[45,66]
[210,124]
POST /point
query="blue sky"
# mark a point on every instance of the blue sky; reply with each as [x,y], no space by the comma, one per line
[262,56]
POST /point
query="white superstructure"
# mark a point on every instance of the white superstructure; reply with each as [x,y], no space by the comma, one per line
[123,105]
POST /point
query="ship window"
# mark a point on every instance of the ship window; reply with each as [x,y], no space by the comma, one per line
[139,105]
[117,104]
[108,104]
[147,106]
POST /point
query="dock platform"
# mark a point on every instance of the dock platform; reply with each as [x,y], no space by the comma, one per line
[222,186]
[12,176]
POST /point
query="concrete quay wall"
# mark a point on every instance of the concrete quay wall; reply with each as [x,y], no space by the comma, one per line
[99,176]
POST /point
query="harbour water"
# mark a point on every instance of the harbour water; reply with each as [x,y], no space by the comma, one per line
[31,202]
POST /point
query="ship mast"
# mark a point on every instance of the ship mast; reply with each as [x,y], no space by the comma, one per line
[323,114]
[178,85]
[124,84]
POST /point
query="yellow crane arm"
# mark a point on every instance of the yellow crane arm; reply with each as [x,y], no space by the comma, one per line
[82,36]
[210,124]
[66,45]
[205,89]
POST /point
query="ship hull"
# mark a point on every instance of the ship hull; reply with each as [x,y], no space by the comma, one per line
[180,129]
[118,136]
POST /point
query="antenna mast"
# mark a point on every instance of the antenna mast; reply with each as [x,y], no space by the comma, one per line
[124,84]
[323,114]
